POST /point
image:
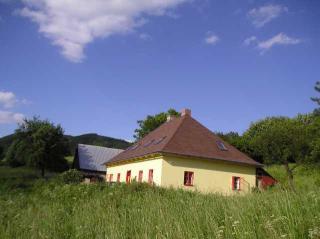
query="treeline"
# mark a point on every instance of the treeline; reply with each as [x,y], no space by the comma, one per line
[277,139]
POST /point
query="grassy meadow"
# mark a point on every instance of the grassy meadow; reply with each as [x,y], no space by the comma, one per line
[35,208]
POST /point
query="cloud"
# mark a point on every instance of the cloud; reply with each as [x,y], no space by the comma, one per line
[72,24]
[262,15]
[211,39]
[7,117]
[145,36]
[280,39]
[250,40]
[7,99]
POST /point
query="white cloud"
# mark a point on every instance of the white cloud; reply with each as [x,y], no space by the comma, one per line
[250,40]
[262,15]
[7,99]
[280,39]
[72,24]
[7,117]
[211,39]
[145,36]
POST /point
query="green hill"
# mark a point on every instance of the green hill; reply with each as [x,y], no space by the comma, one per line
[91,139]
[98,140]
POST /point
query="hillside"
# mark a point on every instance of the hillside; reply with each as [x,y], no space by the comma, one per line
[95,139]
[91,139]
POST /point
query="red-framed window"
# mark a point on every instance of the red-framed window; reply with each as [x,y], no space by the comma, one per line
[110,177]
[236,182]
[118,177]
[150,177]
[188,178]
[140,176]
[128,176]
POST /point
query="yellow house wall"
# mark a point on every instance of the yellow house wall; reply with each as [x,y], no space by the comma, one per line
[135,167]
[209,175]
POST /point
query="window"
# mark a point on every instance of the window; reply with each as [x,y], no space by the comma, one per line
[150,178]
[188,178]
[149,143]
[128,177]
[236,183]
[221,145]
[118,178]
[133,147]
[140,176]
[158,141]
[110,177]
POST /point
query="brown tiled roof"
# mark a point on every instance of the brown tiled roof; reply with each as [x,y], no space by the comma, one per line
[186,137]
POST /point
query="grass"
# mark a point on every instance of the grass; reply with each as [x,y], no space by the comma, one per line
[20,172]
[50,209]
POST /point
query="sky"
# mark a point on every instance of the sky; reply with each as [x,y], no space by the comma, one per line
[99,66]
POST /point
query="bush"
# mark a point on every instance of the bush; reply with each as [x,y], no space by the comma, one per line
[71,176]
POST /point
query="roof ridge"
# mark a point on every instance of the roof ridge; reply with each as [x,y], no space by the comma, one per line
[98,146]
[182,118]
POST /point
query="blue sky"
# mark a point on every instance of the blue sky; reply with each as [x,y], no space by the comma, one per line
[101,67]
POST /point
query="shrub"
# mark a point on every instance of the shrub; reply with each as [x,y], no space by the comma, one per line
[71,176]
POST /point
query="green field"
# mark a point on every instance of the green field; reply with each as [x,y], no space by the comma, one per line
[34,208]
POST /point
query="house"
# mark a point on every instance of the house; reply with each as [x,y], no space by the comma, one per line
[90,160]
[182,153]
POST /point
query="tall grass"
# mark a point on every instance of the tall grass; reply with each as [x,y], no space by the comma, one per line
[55,210]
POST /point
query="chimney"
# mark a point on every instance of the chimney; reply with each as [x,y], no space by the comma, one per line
[185,112]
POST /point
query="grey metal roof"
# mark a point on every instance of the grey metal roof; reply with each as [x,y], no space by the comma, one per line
[93,157]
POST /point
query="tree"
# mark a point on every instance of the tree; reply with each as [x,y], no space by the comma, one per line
[18,153]
[312,124]
[280,140]
[317,99]
[1,153]
[40,144]
[151,122]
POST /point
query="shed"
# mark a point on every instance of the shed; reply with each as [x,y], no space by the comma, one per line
[264,179]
